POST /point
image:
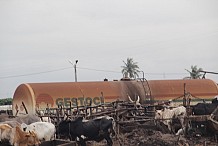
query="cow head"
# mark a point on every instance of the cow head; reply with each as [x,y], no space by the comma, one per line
[32,139]
[158,114]
[23,126]
[137,101]
[215,100]
[66,127]
[63,129]
[21,137]
[107,121]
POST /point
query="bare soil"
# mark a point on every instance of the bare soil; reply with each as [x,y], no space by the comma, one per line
[141,136]
[146,137]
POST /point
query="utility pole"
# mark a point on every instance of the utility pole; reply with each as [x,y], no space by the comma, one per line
[75,70]
[74,65]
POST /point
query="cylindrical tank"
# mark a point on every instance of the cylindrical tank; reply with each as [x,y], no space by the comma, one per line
[171,89]
[31,96]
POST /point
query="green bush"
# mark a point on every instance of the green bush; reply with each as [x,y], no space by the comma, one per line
[6,101]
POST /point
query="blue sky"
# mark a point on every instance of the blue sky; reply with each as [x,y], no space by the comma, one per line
[37,38]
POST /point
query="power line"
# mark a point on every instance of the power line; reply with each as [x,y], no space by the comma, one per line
[60,69]
[36,73]
[98,70]
[120,72]
[55,70]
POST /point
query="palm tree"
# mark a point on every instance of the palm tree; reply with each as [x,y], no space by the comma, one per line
[130,69]
[195,72]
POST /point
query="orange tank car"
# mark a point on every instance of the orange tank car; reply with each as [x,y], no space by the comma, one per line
[31,96]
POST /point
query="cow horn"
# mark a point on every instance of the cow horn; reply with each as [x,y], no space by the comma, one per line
[130,99]
[138,99]
[65,117]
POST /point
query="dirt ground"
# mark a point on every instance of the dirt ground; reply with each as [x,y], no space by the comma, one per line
[144,136]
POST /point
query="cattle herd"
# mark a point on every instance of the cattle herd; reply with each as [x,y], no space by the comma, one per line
[32,130]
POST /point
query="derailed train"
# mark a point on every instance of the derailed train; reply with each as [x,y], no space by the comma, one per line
[31,96]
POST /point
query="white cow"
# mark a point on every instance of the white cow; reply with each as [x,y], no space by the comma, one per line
[45,131]
[166,115]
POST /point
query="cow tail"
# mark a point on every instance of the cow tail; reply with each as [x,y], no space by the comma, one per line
[101,130]
[69,132]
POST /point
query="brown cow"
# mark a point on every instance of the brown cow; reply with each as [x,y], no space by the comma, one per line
[5,131]
[11,123]
[21,138]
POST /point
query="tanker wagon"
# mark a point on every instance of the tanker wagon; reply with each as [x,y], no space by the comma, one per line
[31,96]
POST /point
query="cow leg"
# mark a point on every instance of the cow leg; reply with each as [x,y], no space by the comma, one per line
[109,140]
[0,135]
[82,141]
[169,126]
[113,132]
[183,129]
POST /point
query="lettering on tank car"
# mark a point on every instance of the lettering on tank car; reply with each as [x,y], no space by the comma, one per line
[66,101]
